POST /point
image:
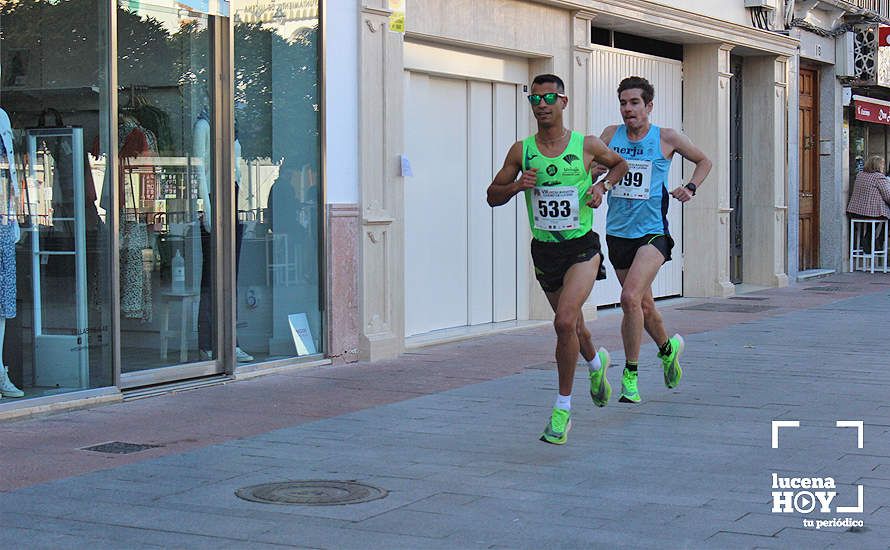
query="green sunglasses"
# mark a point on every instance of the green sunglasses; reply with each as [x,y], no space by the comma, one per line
[549,98]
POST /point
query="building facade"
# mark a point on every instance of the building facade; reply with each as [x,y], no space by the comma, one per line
[441,102]
[841,80]
[220,190]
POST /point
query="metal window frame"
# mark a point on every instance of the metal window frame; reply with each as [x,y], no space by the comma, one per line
[222,238]
[221,89]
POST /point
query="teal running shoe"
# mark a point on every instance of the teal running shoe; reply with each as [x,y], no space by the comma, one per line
[671,362]
[557,429]
[600,389]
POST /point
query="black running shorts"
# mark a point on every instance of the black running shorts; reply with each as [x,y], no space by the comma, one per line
[623,251]
[553,260]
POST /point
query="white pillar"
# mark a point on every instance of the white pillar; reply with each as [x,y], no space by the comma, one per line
[381,101]
[706,218]
[764,210]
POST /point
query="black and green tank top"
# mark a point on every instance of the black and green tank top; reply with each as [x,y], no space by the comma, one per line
[557,209]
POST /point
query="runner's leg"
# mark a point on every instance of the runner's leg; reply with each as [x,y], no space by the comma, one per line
[636,282]
[567,304]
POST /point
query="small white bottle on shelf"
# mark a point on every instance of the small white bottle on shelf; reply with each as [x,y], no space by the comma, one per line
[178,272]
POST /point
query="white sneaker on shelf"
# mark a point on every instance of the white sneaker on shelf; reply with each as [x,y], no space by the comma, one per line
[242,356]
[7,388]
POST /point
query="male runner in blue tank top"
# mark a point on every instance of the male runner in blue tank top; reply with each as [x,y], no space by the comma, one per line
[555,165]
[636,224]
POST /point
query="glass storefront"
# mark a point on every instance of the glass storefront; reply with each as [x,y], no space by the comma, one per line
[54,245]
[164,187]
[113,266]
[279,200]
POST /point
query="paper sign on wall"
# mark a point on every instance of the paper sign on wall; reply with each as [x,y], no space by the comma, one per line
[299,328]
[406,167]
[397,17]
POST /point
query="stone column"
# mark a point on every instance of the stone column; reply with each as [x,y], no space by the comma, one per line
[706,218]
[381,103]
[764,209]
[834,233]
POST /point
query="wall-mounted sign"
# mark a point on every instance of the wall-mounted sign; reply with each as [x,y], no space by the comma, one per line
[397,18]
[884,35]
[872,110]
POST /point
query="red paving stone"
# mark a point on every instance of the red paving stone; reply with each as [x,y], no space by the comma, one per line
[41,449]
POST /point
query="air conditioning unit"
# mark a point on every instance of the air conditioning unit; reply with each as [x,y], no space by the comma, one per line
[765,4]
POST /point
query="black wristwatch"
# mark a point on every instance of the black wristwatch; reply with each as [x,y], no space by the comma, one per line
[692,187]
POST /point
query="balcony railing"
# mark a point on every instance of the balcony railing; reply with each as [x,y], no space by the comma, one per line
[881,7]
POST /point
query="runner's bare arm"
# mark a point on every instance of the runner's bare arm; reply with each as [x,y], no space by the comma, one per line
[601,155]
[505,184]
[597,170]
[678,142]
[608,134]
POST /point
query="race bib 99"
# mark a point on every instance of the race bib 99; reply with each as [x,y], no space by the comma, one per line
[636,182]
[555,208]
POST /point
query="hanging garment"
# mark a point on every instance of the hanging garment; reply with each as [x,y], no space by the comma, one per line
[136,297]
[9,235]
[7,271]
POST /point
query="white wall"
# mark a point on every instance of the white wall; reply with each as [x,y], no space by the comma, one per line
[341,89]
[726,10]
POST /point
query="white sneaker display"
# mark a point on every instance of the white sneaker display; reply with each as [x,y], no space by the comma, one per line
[242,356]
[7,388]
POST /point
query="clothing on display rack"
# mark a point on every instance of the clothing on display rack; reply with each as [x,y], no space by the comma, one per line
[136,284]
[136,293]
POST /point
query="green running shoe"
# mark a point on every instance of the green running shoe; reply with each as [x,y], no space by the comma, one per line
[671,362]
[557,429]
[600,389]
[629,392]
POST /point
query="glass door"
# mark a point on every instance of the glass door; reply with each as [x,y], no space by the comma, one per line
[165,193]
[278,185]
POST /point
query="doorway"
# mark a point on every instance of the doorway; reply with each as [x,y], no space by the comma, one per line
[809,171]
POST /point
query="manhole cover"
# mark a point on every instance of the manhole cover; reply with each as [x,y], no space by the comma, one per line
[824,288]
[312,493]
[749,298]
[728,307]
[119,448]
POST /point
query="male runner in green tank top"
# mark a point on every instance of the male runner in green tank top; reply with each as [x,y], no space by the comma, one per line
[555,165]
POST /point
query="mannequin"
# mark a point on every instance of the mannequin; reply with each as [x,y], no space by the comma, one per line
[201,149]
[9,236]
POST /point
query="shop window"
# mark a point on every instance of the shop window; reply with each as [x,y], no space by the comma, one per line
[279,188]
[164,187]
[54,269]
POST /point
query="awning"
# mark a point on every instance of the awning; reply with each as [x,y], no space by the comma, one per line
[872,110]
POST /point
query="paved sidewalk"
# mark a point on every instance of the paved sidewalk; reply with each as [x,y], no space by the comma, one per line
[451,433]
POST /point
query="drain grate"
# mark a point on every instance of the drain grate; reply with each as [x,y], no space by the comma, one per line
[824,288]
[749,298]
[119,448]
[728,307]
[312,493]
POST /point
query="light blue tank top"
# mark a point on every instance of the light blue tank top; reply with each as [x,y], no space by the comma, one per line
[635,208]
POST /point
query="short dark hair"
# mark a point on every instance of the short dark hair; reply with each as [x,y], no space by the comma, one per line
[638,83]
[550,78]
